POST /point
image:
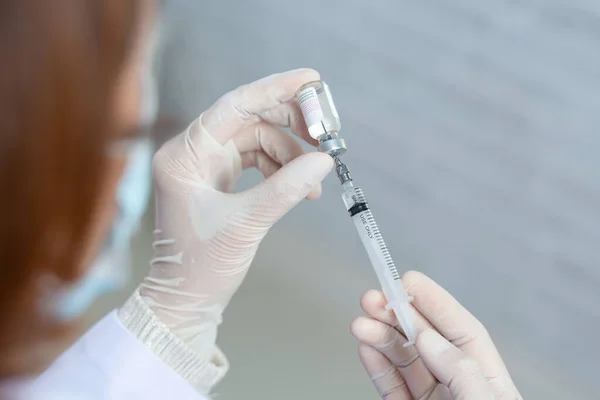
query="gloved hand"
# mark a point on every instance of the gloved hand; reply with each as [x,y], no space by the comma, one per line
[206,234]
[454,357]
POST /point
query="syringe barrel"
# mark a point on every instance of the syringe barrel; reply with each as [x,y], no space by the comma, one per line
[380,258]
[386,272]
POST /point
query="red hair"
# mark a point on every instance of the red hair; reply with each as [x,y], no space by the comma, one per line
[60,63]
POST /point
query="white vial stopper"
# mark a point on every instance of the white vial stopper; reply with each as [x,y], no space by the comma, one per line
[318,109]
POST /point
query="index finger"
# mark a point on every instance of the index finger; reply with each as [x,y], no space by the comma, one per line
[267,99]
[454,322]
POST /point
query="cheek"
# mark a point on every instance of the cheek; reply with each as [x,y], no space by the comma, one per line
[128,100]
[106,211]
[128,96]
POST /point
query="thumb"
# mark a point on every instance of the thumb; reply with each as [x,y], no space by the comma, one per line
[461,374]
[274,197]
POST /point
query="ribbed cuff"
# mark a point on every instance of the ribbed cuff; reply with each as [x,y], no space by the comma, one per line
[146,327]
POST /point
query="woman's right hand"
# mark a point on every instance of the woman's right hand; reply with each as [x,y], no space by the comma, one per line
[206,233]
[454,357]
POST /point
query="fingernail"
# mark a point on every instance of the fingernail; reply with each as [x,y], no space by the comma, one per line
[433,342]
[315,194]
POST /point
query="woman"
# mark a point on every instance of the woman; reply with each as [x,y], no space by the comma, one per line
[71,97]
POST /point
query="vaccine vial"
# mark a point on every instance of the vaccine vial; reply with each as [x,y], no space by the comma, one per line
[321,116]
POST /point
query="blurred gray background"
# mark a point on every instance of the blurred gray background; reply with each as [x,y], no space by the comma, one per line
[471,127]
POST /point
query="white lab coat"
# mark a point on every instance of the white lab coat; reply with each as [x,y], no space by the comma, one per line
[108,362]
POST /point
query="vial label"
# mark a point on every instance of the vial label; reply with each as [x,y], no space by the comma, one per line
[310,106]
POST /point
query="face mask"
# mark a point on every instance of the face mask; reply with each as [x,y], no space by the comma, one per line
[112,269]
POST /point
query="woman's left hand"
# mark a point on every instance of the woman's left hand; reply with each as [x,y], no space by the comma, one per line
[206,234]
[454,357]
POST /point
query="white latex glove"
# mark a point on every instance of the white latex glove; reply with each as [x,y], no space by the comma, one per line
[206,235]
[454,357]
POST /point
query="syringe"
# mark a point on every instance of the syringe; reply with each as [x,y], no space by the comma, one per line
[323,124]
[389,278]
